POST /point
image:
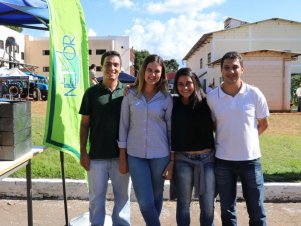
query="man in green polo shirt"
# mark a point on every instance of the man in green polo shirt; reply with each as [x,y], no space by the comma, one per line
[100,110]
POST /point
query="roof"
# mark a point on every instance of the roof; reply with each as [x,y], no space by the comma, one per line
[197,45]
[204,39]
[24,13]
[292,54]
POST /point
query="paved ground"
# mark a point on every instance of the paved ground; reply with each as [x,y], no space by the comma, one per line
[51,213]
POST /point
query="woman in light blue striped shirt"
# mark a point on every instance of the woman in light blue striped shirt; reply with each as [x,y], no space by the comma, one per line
[144,137]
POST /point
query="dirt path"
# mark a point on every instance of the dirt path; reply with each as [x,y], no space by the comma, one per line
[51,213]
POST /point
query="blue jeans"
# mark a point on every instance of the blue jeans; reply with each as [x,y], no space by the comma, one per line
[184,180]
[148,183]
[251,176]
[98,175]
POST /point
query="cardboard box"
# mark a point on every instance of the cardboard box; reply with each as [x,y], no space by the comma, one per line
[15,129]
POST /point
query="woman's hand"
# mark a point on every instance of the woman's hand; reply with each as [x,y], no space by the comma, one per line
[123,162]
[168,172]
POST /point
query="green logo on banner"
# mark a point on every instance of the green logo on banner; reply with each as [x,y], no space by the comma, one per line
[69,71]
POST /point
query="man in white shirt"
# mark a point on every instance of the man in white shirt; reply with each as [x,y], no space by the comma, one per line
[241,113]
[298,93]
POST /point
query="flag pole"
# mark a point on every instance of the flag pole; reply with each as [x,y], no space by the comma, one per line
[64,186]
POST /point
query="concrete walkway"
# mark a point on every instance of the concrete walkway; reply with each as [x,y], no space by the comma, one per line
[51,213]
[283,204]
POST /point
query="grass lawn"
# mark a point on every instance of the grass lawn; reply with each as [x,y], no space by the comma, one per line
[280,146]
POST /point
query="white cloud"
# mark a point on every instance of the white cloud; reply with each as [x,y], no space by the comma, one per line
[181,6]
[122,4]
[46,34]
[91,32]
[175,37]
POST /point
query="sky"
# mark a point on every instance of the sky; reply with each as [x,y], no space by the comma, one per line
[170,28]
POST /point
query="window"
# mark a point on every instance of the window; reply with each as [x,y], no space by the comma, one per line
[90,52]
[45,52]
[100,51]
[22,55]
[1,44]
[16,49]
[45,69]
[98,68]
[201,63]
[209,58]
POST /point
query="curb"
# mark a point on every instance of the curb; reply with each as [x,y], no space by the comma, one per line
[77,189]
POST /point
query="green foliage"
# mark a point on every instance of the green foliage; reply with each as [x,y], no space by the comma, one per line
[171,65]
[281,157]
[47,164]
[139,57]
[18,29]
[295,82]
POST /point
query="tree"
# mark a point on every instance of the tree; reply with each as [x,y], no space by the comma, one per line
[18,29]
[139,57]
[171,65]
[295,82]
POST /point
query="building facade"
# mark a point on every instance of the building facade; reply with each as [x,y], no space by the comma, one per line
[35,51]
[12,45]
[274,42]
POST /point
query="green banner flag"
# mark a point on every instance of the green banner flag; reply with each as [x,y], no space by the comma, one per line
[68,75]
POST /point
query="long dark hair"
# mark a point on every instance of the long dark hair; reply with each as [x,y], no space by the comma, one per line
[198,94]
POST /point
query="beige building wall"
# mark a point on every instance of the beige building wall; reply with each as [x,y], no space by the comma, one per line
[270,72]
[36,51]
[271,34]
[194,64]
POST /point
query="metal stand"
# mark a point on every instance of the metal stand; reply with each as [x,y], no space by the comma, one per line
[29,193]
[64,187]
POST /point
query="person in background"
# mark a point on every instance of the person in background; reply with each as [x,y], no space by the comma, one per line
[1,89]
[298,93]
[240,112]
[100,110]
[192,145]
[92,75]
[144,137]
[209,88]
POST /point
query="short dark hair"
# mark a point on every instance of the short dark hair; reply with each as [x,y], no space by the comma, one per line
[92,66]
[232,55]
[109,54]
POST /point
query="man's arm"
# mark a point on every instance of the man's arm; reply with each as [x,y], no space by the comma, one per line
[84,131]
[262,125]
